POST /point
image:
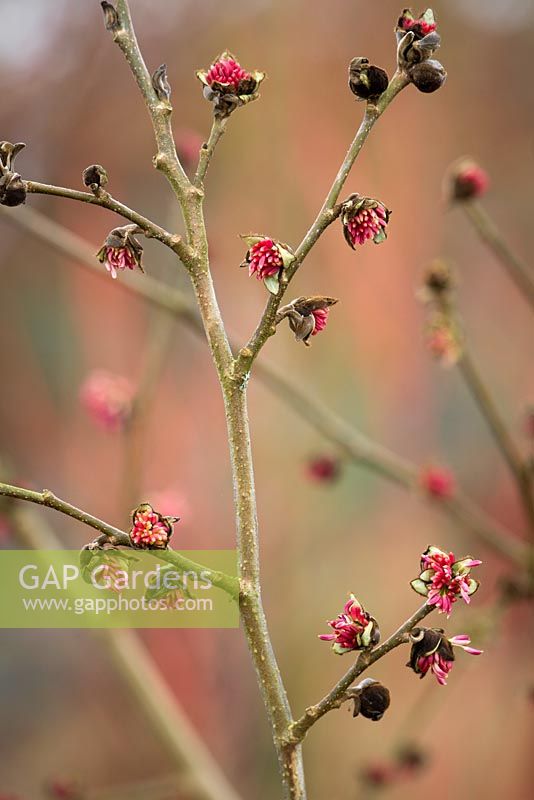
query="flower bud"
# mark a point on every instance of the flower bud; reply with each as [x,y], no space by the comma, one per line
[227,85]
[428,76]
[371,699]
[443,340]
[364,219]
[12,189]
[467,180]
[160,83]
[437,280]
[437,482]
[121,250]
[95,177]
[366,81]
[150,529]
[323,469]
[111,18]
[307,316]
[8,154]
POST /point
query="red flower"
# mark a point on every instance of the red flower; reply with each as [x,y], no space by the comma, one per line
[121,250]
[227,71]
[437,482]
[354,629]
[321,318]
[364,219]
[150,529]
[433,652]
[266,259]
[443,579]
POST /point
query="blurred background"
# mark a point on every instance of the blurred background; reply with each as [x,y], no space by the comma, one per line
[68,94]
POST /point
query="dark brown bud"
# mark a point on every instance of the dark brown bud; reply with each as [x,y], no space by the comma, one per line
[161,84]
[438,278]
[428,76]
[366,81]
[95,177]
[371,699]
[12,189]
[306,315]
[111,18]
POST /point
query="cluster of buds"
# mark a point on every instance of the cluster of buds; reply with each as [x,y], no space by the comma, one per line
[366,81]
[354,629]
[150,530]
[363,220]
[267,260]
[443,579]
[227,85]
[12,188]
[121,250]
[307,316]
[466,180]
[437,482]
[433,652]
[323,469]
[417,41]
[108,399]
[371,699]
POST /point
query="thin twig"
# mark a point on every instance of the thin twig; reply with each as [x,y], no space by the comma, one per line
[217,130]
[356,446]
[266,327]
[484,400]
[367,657]
[115,535]
[135,445]
[520,273]
[105,200]
[197,769]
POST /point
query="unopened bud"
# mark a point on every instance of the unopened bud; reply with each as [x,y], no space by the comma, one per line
[366,81]
[12,189]
[371,699]
[111,18]
[95,177]
[428,76]
[161,84]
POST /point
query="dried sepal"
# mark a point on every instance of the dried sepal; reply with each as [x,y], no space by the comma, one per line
[95,177]
[160,83]
[12,187]
[111,17]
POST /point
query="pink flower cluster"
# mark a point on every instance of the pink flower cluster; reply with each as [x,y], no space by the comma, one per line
[117,259]
[354,629]
[367,223]
[150,529]
[107,398]
[443,579]
[419,26]
[228,72]
[264,259]
[321,318]
[471,181]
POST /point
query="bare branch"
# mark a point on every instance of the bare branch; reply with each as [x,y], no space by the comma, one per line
[218,128]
